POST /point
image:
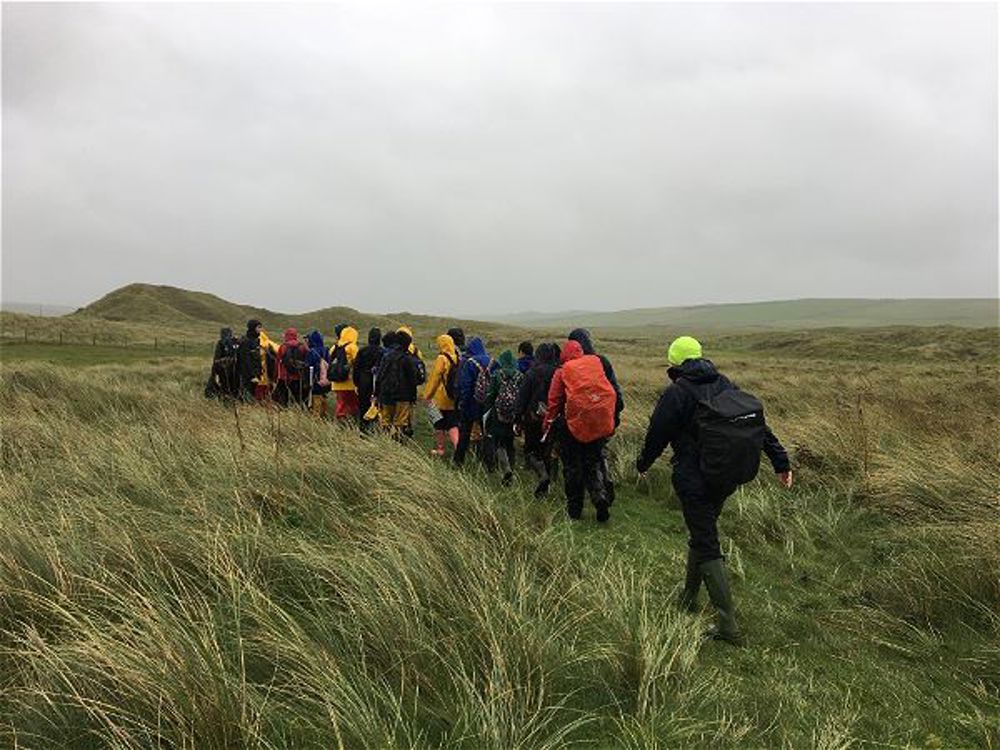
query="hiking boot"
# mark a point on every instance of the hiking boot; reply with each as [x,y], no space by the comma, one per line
[542,489]
[603,514]
[717,584]
[688,600]
[508,479]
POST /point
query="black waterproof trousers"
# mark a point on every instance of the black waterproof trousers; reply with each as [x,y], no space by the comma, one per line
[701,508]
[464,436]
[291,393]
[581,473]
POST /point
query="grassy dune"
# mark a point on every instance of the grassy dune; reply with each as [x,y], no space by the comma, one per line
[174,573]
[147,308]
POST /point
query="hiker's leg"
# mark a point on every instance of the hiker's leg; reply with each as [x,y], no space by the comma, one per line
[401,419]
[407,427]
[532,447]
[347,405]
[538,467]
[318,404]
[609,485]
[233,382]
[438,442]
[449,426]
[700,516]
[534,452]
[717,583]
[464,433]
[385,414]
[688,599]
[487,449]
[594,478]
[573,481]
[503,458]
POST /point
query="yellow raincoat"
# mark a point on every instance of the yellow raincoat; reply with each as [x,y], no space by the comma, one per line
[435,389]
[349,342]
[265,344]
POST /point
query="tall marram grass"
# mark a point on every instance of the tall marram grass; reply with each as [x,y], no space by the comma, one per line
[162,585]
[175,574]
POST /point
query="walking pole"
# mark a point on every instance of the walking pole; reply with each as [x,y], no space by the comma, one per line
[310,387]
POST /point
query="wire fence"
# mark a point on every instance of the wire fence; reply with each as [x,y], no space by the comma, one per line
[60,338]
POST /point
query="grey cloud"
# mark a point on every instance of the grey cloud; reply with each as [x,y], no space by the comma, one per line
[490,158]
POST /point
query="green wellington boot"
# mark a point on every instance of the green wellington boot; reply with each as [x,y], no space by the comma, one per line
[717,583]
[688,600]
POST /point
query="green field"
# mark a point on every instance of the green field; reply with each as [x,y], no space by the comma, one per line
[174,573]
[787,314]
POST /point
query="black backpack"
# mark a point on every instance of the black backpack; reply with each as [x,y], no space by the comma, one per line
[294,361]
[340,368]
[388,377]
[451,380]
[365,366]
[729,428]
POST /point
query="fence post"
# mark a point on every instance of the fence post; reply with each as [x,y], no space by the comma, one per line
[60,338]
[25,335]
[156,343]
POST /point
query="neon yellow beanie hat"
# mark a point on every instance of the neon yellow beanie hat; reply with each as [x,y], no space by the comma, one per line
[683,349]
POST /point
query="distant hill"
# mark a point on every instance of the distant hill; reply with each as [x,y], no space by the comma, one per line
[789,314]
[202,313]
[34,308]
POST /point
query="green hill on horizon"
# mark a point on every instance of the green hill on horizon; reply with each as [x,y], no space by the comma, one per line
[204,313]
[801,313]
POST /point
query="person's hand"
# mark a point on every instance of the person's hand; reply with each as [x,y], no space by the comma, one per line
[785,479]
[642,475]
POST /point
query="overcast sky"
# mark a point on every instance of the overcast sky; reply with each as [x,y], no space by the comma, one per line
[496,158]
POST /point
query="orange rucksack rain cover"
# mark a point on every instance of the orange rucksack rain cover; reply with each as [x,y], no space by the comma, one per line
[590,399]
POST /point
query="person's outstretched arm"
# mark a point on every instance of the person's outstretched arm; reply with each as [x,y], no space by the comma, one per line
[778,457]
[557,400]
[664,426]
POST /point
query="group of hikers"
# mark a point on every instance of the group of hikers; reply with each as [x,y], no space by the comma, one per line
[564,399]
